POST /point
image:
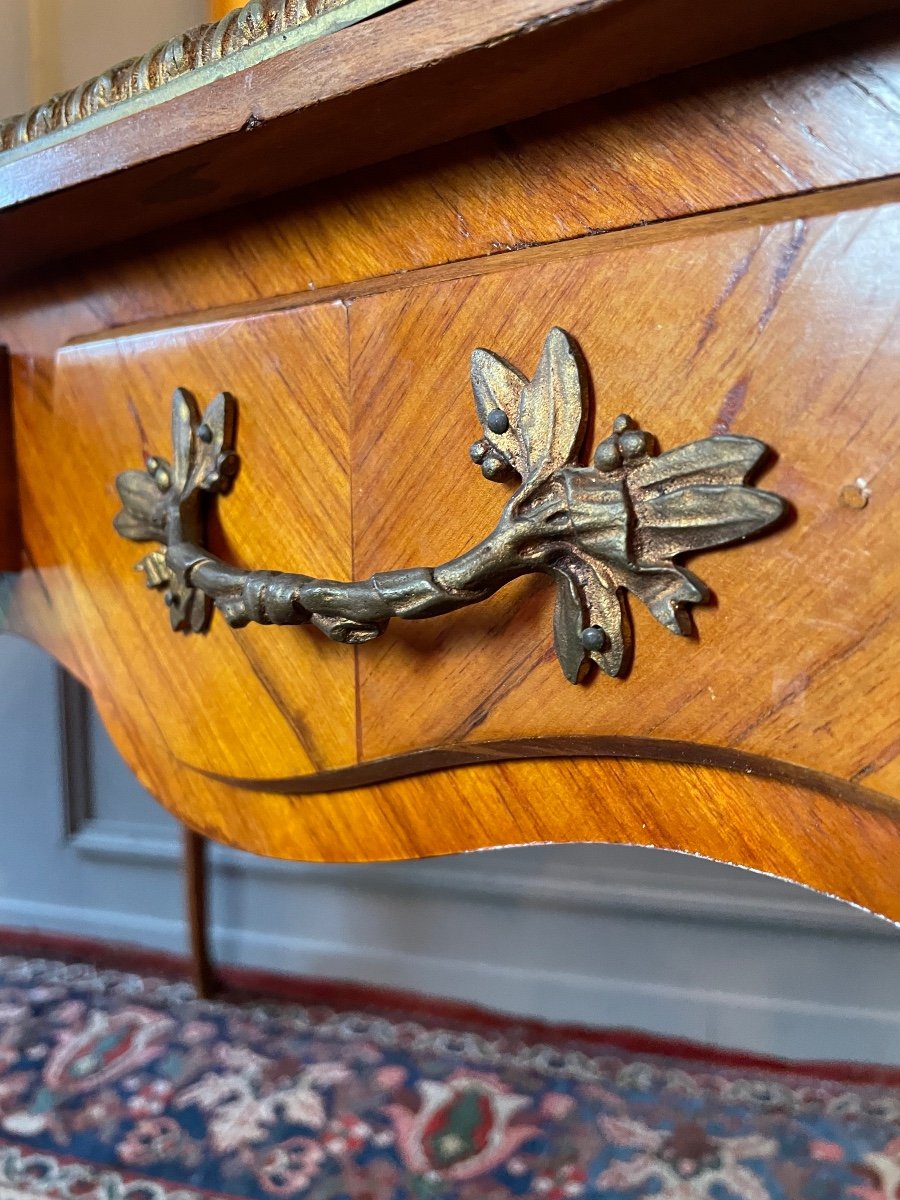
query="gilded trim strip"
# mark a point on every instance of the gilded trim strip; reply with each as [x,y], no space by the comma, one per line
[182,56]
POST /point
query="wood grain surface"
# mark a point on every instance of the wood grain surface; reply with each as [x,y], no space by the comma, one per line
[108,410]
[343,318]
[791,119]
[697,327]
[845,847]
[284,121]
[747,331]
[10,534]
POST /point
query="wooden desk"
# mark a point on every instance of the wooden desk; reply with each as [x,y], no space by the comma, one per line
[327,232]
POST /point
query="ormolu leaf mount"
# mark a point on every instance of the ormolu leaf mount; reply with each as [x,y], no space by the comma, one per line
[616,526]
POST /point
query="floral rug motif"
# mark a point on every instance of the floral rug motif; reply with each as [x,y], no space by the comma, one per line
[115,1086]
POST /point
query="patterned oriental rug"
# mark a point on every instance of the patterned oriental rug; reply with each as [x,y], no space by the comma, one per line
[116,1085]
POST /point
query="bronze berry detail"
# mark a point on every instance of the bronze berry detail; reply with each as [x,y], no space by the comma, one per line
[599,531]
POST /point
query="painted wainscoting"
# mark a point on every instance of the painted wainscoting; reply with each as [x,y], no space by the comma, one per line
[601,935]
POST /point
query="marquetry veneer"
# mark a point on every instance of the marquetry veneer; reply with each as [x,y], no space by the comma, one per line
[722,247]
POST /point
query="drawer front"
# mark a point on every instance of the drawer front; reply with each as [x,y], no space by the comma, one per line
[788,332]
[354,425]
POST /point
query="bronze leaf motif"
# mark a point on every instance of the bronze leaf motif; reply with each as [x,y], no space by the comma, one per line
[600,531]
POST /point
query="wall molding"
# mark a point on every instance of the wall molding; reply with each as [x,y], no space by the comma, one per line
[722,1017]
[633,890]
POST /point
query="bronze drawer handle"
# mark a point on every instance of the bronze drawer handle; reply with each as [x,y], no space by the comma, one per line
[615,526]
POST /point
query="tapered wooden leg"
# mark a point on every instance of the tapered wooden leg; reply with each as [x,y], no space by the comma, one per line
[10,536]
[202,971]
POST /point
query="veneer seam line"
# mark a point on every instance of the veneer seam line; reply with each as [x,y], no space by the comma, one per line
[664,229]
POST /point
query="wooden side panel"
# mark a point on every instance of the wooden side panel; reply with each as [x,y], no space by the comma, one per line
[789,332]
[417,76]
[10,532]
[784,120]
[234,703]
[670,328]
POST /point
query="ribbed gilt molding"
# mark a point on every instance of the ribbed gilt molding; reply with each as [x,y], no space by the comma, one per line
[199,47]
